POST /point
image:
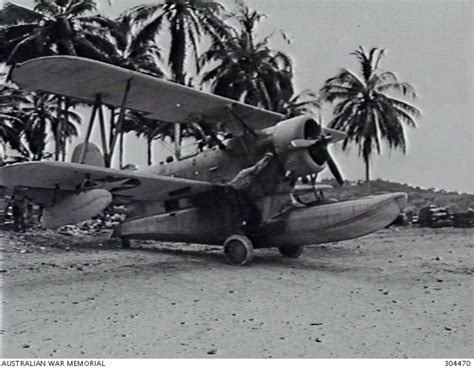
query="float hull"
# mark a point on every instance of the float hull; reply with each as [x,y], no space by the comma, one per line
[297,227]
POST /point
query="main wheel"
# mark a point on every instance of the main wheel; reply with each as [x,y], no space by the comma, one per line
[291,252]
[238,250]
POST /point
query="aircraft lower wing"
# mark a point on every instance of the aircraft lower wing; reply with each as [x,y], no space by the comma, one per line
[84,79]
[41,179]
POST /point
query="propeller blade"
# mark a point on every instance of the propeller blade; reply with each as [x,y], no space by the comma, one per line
[334,169]
[301,143]
[336,135]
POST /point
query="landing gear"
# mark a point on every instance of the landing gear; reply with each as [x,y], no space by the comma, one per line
[291,252]
[238,250]
[125,242]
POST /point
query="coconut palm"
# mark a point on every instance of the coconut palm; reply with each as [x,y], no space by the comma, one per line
[52,27]
[149,129]
[186,21]
[249,70]
[306,102]
[42,115]
[10,108]
[63,128]
[365,110]
[130,44]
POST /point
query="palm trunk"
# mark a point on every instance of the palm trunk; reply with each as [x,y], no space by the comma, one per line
[121,150]
[266,96]
[149,143]
[58,134]
[367,170]
[63,151]
[57,143]
[3,154]
[63,136]
[367,175]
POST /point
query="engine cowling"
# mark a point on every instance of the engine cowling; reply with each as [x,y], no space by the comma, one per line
[300,161]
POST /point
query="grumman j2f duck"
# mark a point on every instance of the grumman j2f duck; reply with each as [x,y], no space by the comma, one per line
[241,193]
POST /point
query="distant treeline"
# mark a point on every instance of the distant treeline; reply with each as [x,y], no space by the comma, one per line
[418,197]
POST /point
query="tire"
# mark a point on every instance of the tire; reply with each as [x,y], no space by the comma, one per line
[238,250]
[291,252]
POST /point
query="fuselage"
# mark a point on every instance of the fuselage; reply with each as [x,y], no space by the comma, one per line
[214,164]
[275,222]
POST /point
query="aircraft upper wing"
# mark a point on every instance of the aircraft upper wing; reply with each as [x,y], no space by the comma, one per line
[83,79]
[69,177]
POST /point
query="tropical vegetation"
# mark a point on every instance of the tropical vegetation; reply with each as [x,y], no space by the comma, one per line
[52,27]
[364,108]
[10,100]
[197,43]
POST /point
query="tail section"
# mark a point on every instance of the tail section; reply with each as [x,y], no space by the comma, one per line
[89,153]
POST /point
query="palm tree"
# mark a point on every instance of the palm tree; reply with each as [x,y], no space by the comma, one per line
[148,128]
[40,114]
[10,108]
[365,110]
[52,27]
[64,127]
[306,102]
[251,71]
[187,22]
[131,44]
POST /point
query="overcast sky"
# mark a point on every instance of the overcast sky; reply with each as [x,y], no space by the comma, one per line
[428,43]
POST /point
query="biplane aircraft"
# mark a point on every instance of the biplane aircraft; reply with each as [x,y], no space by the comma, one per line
[240,193]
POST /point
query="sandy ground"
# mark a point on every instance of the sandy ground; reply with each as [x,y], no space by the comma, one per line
[397,293]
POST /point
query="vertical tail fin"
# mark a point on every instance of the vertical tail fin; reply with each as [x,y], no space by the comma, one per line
[92,155]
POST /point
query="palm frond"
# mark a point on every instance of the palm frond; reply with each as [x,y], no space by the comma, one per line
[403,105]
[80,7]
[403,88]
[47,7]
[14,14]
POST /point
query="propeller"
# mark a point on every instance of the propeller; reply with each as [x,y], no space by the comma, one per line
[334,169]
[319,149]
[302,143]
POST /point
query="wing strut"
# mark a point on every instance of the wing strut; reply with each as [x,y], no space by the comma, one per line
[230,109]
[89,128]
[177,141]
[118,127]
[238,120]
[97,108]
[102,131]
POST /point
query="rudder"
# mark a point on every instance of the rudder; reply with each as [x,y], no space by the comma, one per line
[93,155]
